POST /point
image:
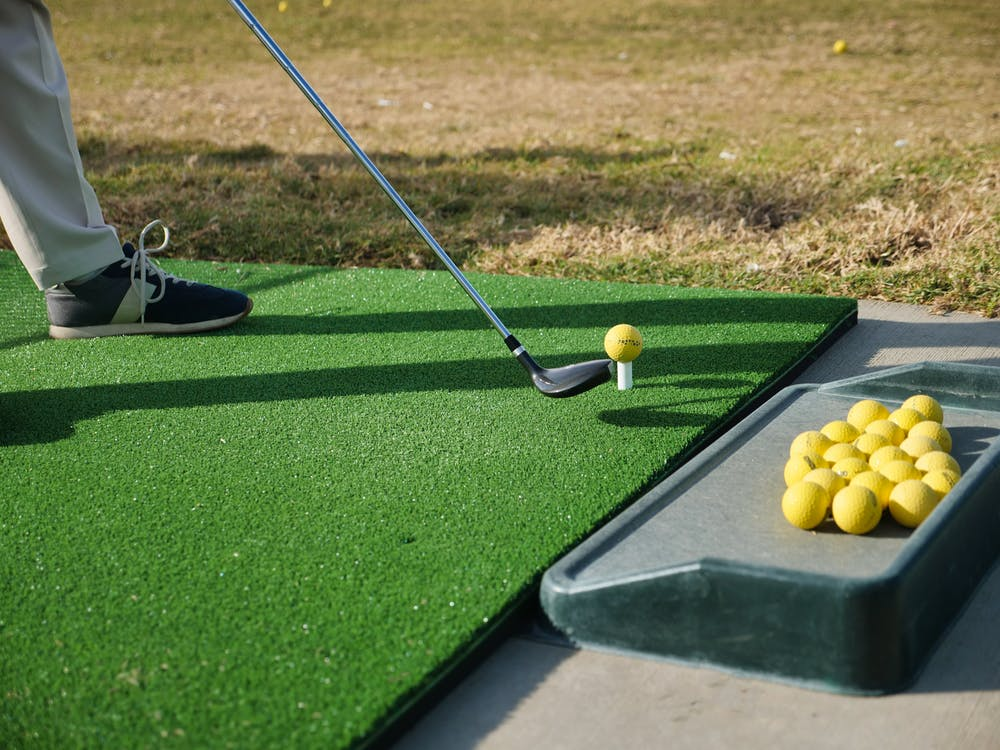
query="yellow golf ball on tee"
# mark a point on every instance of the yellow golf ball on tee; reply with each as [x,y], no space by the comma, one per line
[623,342]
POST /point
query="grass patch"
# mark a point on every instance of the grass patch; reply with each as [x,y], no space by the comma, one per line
[723,140]
[274,535]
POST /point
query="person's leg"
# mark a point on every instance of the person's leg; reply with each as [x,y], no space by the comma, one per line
[93,286]
[48,208]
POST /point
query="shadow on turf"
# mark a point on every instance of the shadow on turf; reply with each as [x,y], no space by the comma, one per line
[47,415]
[597,314]
[667,414]
[13,343]
[254,280]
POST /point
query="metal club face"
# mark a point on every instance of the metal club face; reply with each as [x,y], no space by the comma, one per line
[559,382]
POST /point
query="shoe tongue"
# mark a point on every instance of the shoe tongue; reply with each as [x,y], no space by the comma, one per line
[129,249]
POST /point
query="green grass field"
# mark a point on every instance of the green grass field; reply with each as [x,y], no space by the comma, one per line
[277,535]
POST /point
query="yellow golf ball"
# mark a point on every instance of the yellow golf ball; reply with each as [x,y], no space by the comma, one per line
[937,461]
[839,47]
[850,467]
[839,451]
[877,483]
[906,417]
[810,441]
[869,442]
[828,479]
[941,480]
[856,509]
[935,431]
[889,430]
[899,471]
[799,465]
[911,501]
[840,431]
[886,454]
[929,406]
[805,505]
[623,342]
[864,412]
[917,445]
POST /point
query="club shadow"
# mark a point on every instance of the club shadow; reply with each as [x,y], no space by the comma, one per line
[46,415]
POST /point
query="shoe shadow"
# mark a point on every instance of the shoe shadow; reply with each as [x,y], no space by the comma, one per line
[17,341]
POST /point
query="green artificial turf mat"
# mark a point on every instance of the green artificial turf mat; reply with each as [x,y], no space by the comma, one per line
[277,535]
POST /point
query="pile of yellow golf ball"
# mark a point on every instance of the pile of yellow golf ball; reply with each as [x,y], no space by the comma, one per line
[874,459]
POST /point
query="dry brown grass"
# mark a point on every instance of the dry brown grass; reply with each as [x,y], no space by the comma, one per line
[695,142]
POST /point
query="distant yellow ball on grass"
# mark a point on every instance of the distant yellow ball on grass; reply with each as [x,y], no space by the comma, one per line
[906,417]
[936,460]
[840,431]
[856,510]
[877,483]
[887,429]
[810,441]
[887,454]
[864,412]
[911,502]
[929,406]
[935,431]
[899,471]
[805,505]
[917,445]
[941,480]
[839,47]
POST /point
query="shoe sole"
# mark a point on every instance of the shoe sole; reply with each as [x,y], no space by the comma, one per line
[137,329]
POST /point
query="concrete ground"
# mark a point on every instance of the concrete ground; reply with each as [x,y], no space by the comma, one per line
[530,694]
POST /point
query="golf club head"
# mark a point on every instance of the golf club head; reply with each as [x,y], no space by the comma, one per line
[560,382]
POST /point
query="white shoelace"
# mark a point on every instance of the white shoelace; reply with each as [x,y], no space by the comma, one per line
[141,261]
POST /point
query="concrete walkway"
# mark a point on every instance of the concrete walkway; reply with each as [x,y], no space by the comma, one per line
[531,695]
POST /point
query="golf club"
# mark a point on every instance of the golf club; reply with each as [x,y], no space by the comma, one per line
[557,382]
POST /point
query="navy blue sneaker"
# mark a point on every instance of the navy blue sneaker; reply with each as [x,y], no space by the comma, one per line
[136,296]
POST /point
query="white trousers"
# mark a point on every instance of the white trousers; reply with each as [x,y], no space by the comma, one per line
[49,210]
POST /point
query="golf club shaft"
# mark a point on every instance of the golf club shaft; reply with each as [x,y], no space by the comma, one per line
[261,33]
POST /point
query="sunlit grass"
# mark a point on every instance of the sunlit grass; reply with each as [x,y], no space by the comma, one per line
[700,143]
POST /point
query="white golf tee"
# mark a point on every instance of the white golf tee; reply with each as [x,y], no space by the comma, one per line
[624,376]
